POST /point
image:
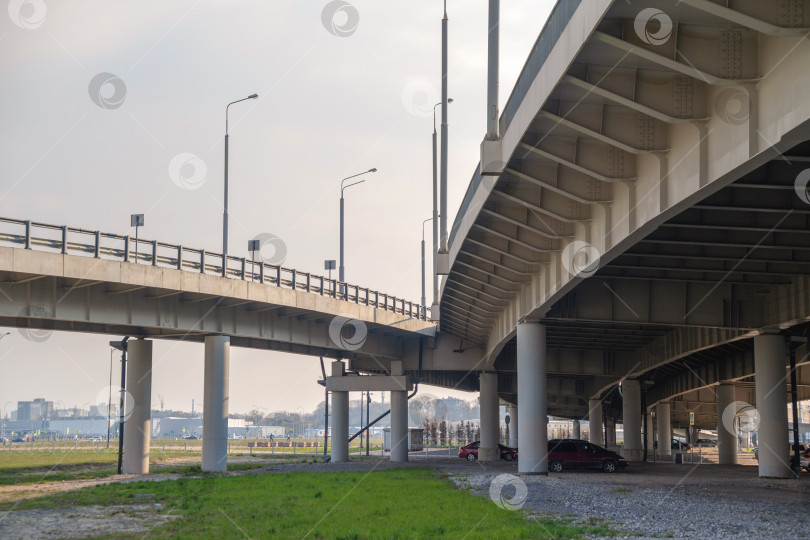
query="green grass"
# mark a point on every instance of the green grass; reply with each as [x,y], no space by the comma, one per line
[34,468]
[394,503]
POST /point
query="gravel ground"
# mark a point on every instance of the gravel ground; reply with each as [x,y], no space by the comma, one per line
[652,501]
[82,522]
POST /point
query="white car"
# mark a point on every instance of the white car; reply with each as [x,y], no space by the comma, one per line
[95,438]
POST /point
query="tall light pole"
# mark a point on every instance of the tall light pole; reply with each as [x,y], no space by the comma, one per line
[341,270]
[225,209]
[424,304]
[443,260]
[435,304]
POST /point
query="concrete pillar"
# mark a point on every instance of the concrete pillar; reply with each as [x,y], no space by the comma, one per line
[595,421]
[632,449]
[577,433]
[512,410]
[770,358]
[137,429]
[340,419]
[726,436]
[664,430]
[215,403]
[610,433]
[650,435]
[399,426]
[532,398]
[490,425]
[399,418]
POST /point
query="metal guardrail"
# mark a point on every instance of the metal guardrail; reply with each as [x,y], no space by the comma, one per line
[116,247]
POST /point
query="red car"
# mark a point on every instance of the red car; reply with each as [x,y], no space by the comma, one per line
[470,452]
[577,454]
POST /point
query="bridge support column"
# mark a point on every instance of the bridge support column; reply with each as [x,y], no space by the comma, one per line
[340,419]
[650,435]
[512,411]
[726,437]
[610,433]
[215,403]
[138,425]
[595,422]
[770,357]
[576,429]
[664,430]
[632,449]
[532,398]
[488,450]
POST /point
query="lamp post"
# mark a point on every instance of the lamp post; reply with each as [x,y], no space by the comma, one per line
[341,270]
[424,304]
[225,209]
[443,262]
[435,304]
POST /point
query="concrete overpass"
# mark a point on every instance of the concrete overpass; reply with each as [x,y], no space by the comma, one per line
[68,279]
[641,218]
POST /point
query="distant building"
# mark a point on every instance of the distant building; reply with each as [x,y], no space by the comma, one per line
[32,411]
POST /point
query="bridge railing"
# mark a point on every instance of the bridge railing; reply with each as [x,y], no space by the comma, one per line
[109,246]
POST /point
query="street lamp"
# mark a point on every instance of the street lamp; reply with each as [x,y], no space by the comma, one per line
[435,305]
[423,261]
[341,270]
[225,211]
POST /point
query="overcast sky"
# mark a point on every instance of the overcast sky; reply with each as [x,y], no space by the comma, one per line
[329,106]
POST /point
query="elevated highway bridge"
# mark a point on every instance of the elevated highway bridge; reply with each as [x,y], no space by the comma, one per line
[633,247]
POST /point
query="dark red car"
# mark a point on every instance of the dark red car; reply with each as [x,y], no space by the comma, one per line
[577,454]
[470,452]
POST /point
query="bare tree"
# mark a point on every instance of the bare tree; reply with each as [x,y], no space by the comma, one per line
[443,433]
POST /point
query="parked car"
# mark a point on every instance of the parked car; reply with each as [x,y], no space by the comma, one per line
[578,454]
[676,444]
[470,452]
[18,439]
[95,438]
[804,455]
[707,443]
[189,436]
